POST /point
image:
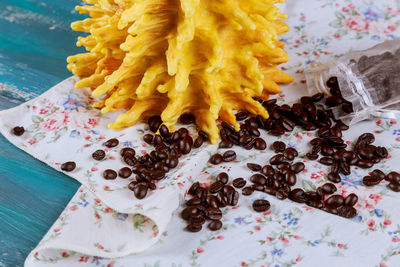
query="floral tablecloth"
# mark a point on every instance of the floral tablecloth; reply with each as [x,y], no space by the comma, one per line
[103,224]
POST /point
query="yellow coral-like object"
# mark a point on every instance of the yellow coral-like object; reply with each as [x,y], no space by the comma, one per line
[169,57]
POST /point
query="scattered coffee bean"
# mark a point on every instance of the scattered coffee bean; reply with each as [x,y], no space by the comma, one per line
[109,174]
[125,172]
[297,167]
[278,146]
[290,153]
[254,167]
[216,159]
[187,118]
[326,161]
[347,212]
[351,200]
[261,205]
[334,177]
[154,123]
[68,166]
[111,142]
[329,188]
[215,225]
[239,182]
[394,186]
[393,177]
[215,187]
[193,188]
[222,177]
[260,144]
[194,227]
[335,201]
[98,154]
[148,138]
[213,213]
[229,155]
[18,130]
[247,191]
[127,151]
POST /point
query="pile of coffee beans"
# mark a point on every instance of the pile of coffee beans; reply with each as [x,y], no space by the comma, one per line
[205,203]
[377,176]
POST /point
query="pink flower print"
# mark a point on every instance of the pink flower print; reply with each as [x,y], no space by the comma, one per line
[258,219]
[371,223]
[93,122]
[298,136]
[34,107]
[310,134]
[268,212]
[340,245]
[111,157]
[220,237]
[270,239]
[336,36]
[393,122]
[56,230]
[257,228]
[73,208]
[110,265]
[395,239]
[296,237]
[87,137]
[298,259]
[356,23]
[32,142]
[382,265]
[382,26]
[55,121]
[345,9]
[97,200]
[108,210]
[64,254]
[387,222]
[200,250]
[378,122]
[97,216]
[83,259]
[93,169]
[100,246]
[285,240]
[243,263]
[43,111]
[106,188]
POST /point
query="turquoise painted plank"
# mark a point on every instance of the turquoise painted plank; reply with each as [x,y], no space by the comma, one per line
[35,40]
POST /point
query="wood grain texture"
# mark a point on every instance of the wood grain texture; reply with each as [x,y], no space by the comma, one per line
[35,39]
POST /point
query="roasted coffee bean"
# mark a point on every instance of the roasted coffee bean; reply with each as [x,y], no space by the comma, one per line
[336,131]
[199,220]
[254,167]
[203,134]
[151,185]
[154,123]
[247,191]
[324,132]
[367,152]
[394,186]
[222,177]
[189,212]
[316,141]
[157,140]
[393,177]
[335,201]
[138,168]
[329,188]
[330,209]
[378,173]
[201,193]
[198,142]
[194,227]
[316,148]
[18,130]
[232,197]
[253,131]
[215,187]
[216,159]
[260,144]
[291,178]
[332,82]
[221,199]
[193,202]
[125,172]
[183,133]
[140,190]
[297,167]
[344,168]
[338,155]
[186,118]
[227,188]
[225,144]
[111,142]
[239,182]
[158,175]
[278,146]
[381,152]
[341,125]
[315,203]
[245,139]
[143,177]
[327,150]
[268,171]
[148,138]
[258,187]
[250,145]
[277,159]
[376,159]
[212,201]
[172,162]
[242,115]
[229,155]
[68,166]
[277,131]
[215,225]
[334,177]
[326,161]
[99,154]
[347,212]
[284,167]
[175,137]
[320,192]
[351,200]
[131,185]
[317,97]
[281,195]
[261,205]
[365,164]
[184,147]
[213,213]
[290,153]
[287,124]
[193,188]
[312,156]
[371,180]
[334,100]
[297,195]
[127,151]
[258,179]
[312,195]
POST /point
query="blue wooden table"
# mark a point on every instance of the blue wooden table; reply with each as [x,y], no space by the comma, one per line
[35,39]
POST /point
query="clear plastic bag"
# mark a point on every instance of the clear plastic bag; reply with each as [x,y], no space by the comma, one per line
[368,83]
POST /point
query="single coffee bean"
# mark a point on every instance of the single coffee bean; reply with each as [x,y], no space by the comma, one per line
[253,131]
[172,162]
[278,146]
[261,205]
[148,138]
[193,188]
[164,132]
[324,132]
[232,197]
[203,134]
[137,168]
[99,154]
[329,188]
[351,200]
[215,225]
[297,195]
[393,177]
[333,101]
[316,148]
[335,167]
[290,153]
[194,227]
[245,139]
[297,167]
[334,177]
[326,161]
[154,123]
[18,130]
[222,177]
[344,168]
[239,182]
[341,126]
[189,212]
[312,156]
[284,167]
[312,195]
[212,201]
[335,201]
[197,220]
[320,192]
[331,209]
[221,199]
[213,213]
[270,190]
[277,159]
[291,178]
[260,144]
[201,193]
[327,150]
[394,186]
[258,187]
[381,152]
[332,82]
[198,142]
[131,185]
[365,164]
[315,203]
[277,131]
[125,172]
[111,142]
[347,212]
[378,174]
[127,151]
[247,191]
[268,171]
[367,152]
[254,167]
[258,179]
[186,118]
[225,144]
[242,115]
[216,159]
[140,190]
[215,187]
[229,155]
[227,188]
[68,166]
[157,140]
[193,202]
[336,131]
